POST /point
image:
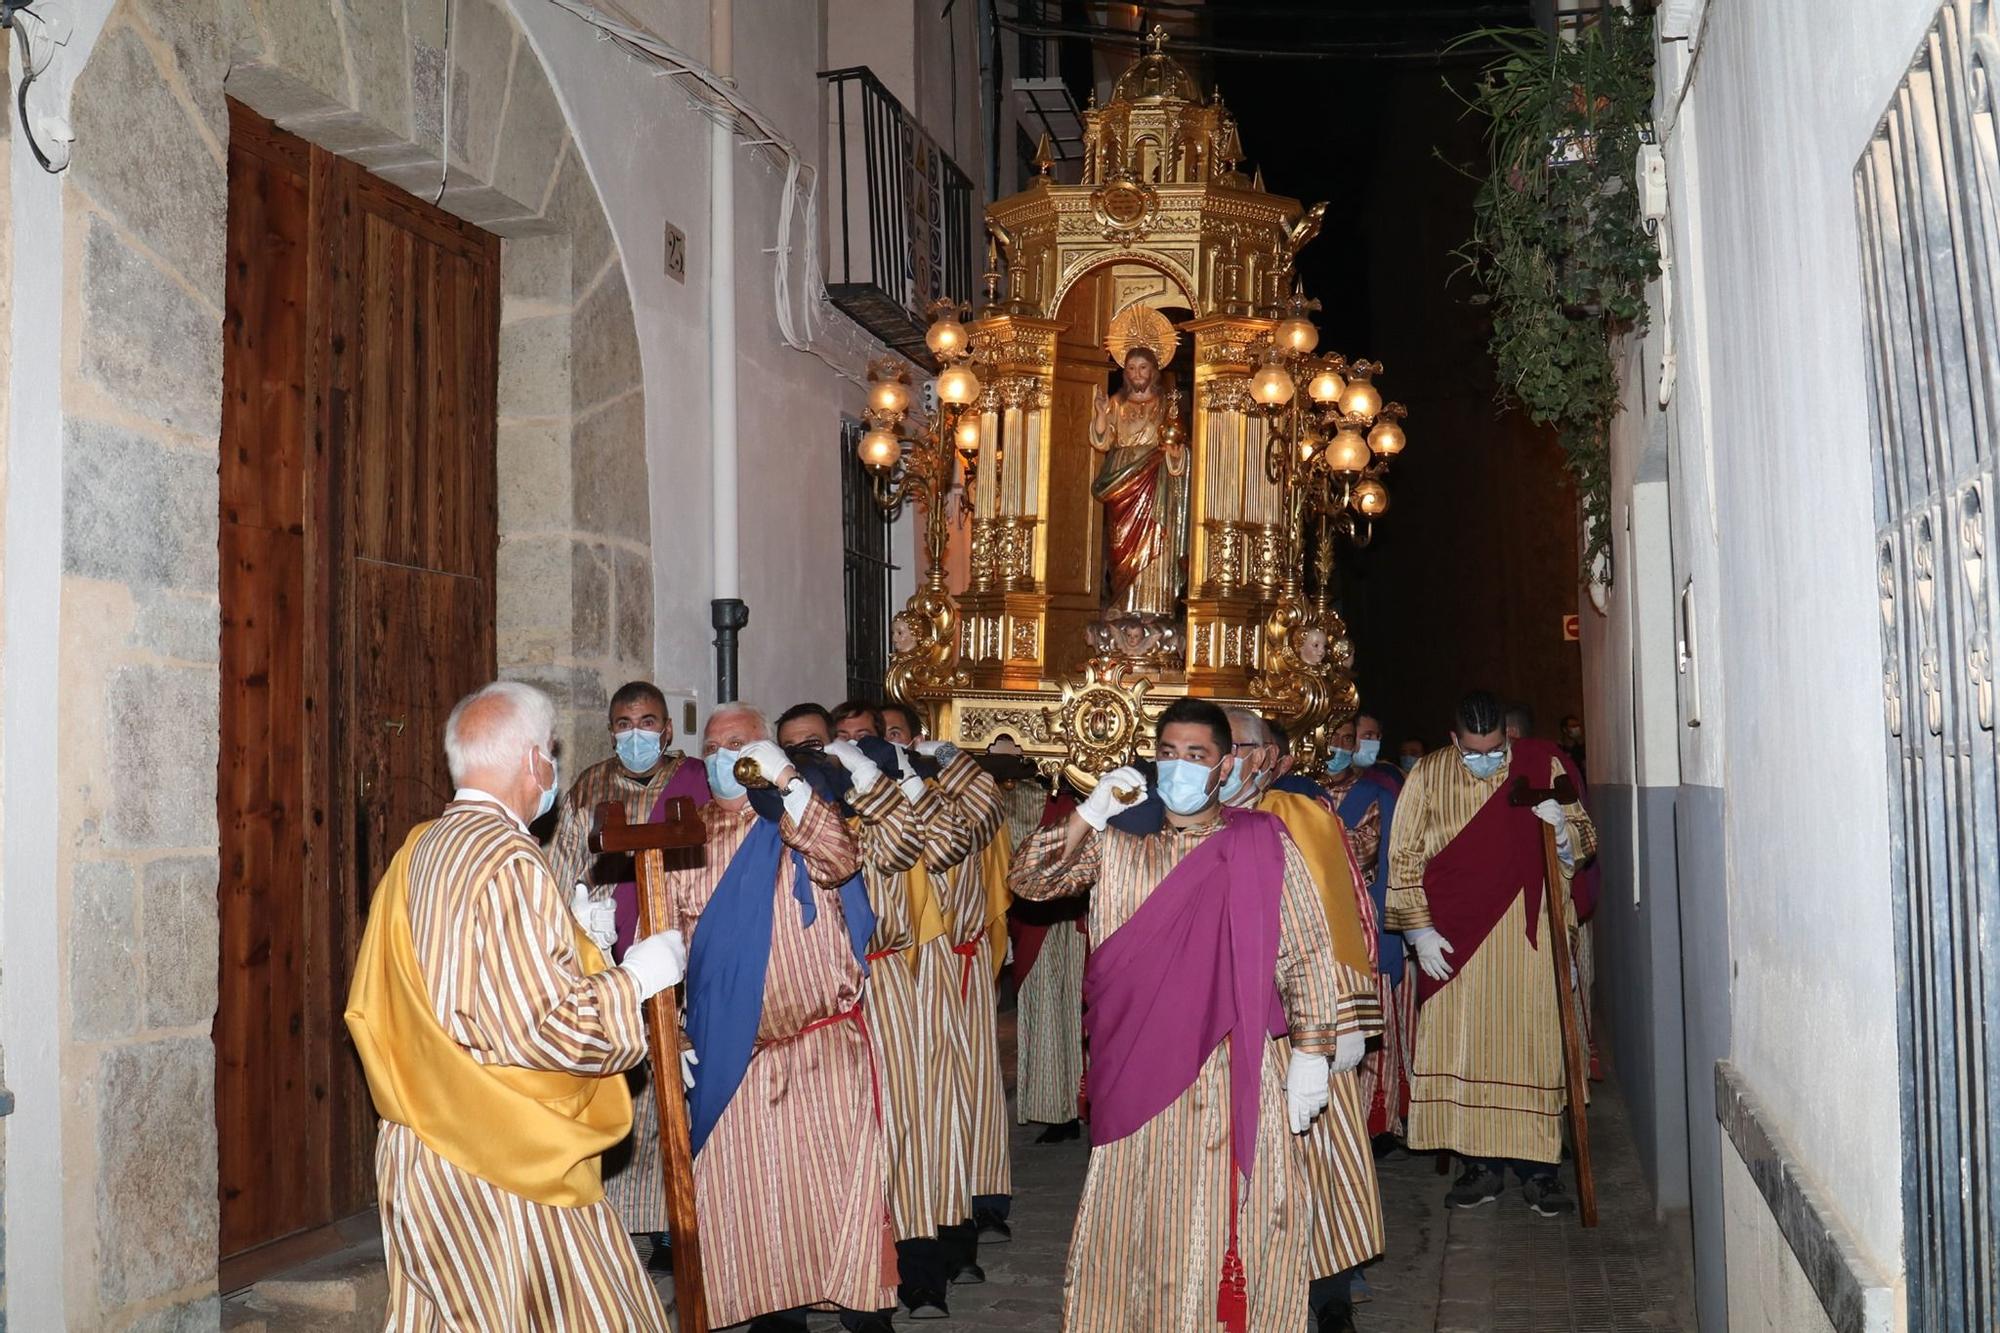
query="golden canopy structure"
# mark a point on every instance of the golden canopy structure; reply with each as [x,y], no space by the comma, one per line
[1163,241]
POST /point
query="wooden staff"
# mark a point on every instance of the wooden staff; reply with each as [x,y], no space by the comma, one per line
[646,843]
[1575,1069]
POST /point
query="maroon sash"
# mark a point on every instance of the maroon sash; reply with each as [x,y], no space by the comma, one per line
[1495,858]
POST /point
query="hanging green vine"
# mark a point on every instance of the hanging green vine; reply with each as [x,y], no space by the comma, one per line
[1558,244]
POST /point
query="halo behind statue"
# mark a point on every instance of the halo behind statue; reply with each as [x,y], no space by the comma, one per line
[1141,326]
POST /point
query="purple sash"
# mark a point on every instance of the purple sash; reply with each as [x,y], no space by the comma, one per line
[1195,964]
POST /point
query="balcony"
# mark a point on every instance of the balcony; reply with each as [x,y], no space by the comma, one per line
[902,234]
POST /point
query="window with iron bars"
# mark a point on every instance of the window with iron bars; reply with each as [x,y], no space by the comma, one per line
[1930,234]
[866,570]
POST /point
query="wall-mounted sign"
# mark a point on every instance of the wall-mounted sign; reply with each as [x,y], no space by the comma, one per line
[1572,628]
[677,258]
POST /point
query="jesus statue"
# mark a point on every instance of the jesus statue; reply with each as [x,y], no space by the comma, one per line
[1143,488]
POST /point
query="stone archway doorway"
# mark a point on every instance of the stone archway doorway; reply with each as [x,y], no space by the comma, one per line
[357,551]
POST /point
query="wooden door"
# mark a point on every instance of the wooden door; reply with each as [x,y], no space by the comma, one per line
[357,547]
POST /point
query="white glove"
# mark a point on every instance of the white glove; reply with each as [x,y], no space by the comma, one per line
[1306,1092]
[1348,1048]
[773,761]
[930,748]
[688,1061]
[657,962]
[858,765]
[1098,808]
[1552,814]
[598,919]
[1431,948]
[913,788]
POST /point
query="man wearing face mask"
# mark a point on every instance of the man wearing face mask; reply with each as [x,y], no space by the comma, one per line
[788,1164]
[1367,809]
[1347,1199]
[1368,757]
[494,1039]
[1466,878]
[640,774]
[1209,944]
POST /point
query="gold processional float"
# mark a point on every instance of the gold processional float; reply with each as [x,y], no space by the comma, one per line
[1129,549]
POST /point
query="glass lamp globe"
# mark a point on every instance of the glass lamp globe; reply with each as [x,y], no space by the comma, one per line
[967,435]
[1348,452]
[1296,334]
[1271,385]
[1371,497]
[1361,399]
[945,338]
[1309,446]
[1387,439]
[1326,386]
[889,397]
[957,386]
[879,449]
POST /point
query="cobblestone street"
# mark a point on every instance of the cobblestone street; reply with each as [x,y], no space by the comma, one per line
[1487,1270]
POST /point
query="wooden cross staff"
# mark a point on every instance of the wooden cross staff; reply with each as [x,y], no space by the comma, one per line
[1563,792]
[646,843]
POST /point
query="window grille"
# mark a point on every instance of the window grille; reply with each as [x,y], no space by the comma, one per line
[866,567]
[1925,188]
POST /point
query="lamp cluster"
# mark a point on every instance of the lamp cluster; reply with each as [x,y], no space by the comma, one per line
[914,454]
[1331,448]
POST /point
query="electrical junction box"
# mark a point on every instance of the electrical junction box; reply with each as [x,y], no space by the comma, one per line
[1651,176]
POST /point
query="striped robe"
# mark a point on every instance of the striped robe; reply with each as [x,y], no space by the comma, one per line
[494,938]
[1487,1076]
[1048,1038]
[970,981]
[1385,1070]
[634,1179]
[911,1024]
[789,1185]
[1153,1225]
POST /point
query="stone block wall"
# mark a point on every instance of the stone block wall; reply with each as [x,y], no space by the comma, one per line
[134,888]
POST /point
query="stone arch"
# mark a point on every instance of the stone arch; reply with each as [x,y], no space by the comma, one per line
[142,245]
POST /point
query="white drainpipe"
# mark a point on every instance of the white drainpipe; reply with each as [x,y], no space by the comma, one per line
[727,611]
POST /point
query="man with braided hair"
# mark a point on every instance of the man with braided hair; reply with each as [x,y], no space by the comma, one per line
[1466,878]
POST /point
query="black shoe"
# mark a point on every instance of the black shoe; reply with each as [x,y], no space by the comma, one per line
[1335,1318]
[923,1303]
[1476,1185]
[661,1260]
[875,1321]
[1546,1195]
[993,1230]
[971,1275]
[1388,1148]
[777,1323]
[1063,1133]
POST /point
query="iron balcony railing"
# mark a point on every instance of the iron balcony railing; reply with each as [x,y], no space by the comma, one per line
[903,233]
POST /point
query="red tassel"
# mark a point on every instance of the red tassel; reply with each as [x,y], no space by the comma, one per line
[1232,1297]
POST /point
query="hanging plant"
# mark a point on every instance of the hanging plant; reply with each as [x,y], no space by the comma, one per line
[1558,246]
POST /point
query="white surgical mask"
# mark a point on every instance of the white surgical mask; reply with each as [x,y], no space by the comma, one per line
[1183,785]
[638,750]
[721,768]
[1484,765]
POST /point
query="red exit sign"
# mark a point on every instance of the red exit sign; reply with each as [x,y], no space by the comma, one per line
[1572,628]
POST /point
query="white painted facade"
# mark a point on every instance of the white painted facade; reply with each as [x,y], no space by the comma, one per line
[1742,464]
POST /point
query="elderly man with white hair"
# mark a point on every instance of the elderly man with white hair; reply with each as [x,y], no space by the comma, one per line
[788,1156]
[493,1035]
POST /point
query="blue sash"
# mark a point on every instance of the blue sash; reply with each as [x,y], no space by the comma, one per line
[1389,954]
[728,961]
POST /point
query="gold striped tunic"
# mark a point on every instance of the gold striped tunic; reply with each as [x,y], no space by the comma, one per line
[976,797]
[1048,1055]
[634,1180]
[496,944]
[910,1024]
[1154,1221]
[1487,1076]
[789,1184]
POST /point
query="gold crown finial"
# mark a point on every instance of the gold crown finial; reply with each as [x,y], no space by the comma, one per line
[1156,40]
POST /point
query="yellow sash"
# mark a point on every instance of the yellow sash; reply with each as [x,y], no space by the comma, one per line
[532,1132]
[926,916]
[994,863]
[1322,842]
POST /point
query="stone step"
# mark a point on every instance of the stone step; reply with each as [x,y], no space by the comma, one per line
[343,1292]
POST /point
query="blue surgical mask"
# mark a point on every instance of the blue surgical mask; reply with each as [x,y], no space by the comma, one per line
[721,768]
[1408,761]
[1484,765]
[548,800]
[1367,752]
[1183,785]
[1338,759]
[1232,785]
[638,750]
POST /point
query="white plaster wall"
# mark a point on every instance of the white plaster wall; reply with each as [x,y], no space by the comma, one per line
[646,147]
[1785,94]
